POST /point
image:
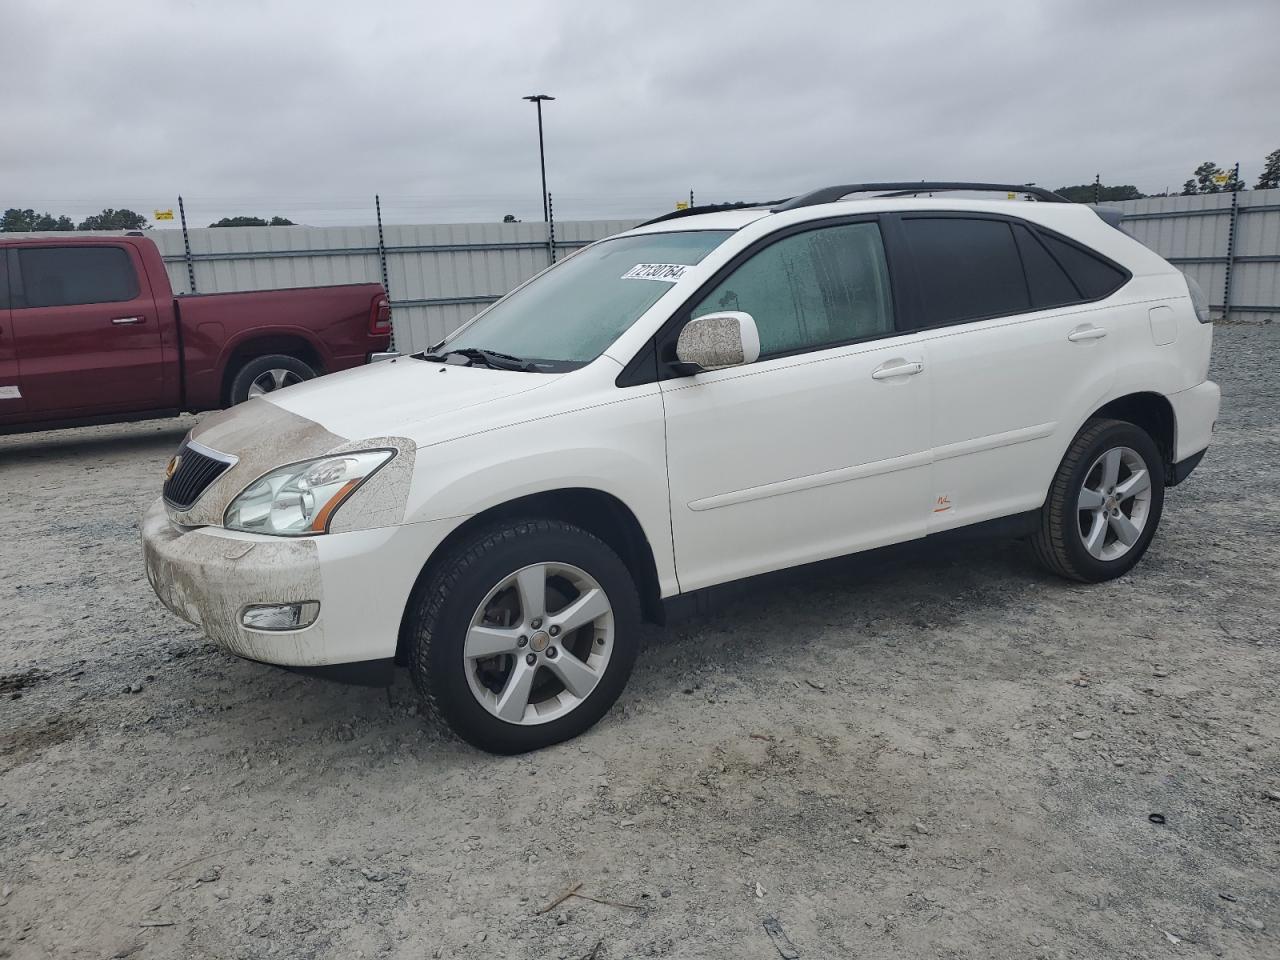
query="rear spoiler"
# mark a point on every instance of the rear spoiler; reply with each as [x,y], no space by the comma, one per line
[1110,215]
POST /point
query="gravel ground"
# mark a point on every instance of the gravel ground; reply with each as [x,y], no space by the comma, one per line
[933,752]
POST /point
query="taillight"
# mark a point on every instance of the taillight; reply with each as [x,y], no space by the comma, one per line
[380,316]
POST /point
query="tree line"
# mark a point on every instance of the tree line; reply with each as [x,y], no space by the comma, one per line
[1208,177]
[16,220]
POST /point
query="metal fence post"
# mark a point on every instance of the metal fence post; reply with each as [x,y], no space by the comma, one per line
[382,259]
[186,243]
[551,228]
[1231,242]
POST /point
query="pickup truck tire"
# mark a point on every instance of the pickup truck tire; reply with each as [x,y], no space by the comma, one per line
[266,375]
[524,635]
[1104,504]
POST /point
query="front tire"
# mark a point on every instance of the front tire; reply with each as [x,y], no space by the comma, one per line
[1104,504]
[524,635]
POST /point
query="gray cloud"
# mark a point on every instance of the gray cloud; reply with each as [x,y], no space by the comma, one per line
[307,108]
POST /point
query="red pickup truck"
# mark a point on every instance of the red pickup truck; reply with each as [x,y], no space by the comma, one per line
[90,332]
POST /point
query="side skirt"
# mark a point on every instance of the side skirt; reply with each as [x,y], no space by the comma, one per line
[710,599]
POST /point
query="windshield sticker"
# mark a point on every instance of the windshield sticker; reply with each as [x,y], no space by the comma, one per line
[666,272]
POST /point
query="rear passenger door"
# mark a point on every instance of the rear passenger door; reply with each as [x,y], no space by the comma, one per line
[85,329]
[1017,344]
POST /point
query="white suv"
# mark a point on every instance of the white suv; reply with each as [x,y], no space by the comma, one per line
[703,398]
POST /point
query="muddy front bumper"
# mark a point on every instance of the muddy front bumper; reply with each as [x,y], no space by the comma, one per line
[361,580]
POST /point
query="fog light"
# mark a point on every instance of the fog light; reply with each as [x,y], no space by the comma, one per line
[280,616]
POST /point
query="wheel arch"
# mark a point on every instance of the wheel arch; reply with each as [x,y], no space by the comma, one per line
[595,511]
[264,344]
[1153,413]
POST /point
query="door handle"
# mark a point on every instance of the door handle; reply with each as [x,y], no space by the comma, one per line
[127,321]
[896,368]
[1087,332]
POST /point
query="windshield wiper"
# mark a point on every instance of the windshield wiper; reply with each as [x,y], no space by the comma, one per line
[490,358]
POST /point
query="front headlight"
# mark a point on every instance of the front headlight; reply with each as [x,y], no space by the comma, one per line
[299,499]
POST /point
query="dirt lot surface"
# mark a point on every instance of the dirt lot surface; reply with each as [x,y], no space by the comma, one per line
[938,752]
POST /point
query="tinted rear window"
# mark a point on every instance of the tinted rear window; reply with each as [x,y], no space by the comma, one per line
[965,269]
[64,276]
[1095,277]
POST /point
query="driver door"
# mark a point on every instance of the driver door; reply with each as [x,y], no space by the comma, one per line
[821,447]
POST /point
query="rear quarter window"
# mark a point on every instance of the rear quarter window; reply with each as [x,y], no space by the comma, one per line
[1047,282]
[1094,277]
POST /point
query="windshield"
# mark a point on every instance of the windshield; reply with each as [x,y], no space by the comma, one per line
[570,314]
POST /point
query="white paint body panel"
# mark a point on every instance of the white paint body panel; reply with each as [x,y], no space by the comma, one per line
[729,473]
[796,459]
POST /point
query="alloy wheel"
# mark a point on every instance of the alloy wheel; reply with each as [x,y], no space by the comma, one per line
[1114,503]
[539,643]
[269,381]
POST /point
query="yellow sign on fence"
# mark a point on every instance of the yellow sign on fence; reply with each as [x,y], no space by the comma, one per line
[682,205]
[164,215]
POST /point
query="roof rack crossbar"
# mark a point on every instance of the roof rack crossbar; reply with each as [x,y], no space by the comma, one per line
[907,189]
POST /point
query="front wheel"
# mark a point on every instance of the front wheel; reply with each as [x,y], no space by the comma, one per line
[524,635]
[1104,505]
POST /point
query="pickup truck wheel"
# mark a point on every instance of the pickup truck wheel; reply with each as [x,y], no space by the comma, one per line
[1104,505]
[265,375]
[525,635]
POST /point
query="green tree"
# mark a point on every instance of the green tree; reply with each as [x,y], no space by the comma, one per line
[25,221]
[1205,175]
[1084,193]
[253,222]
[110,219]
[1270,177]
[1211,178]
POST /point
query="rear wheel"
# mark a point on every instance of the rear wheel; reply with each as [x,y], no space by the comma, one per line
[524,635]
[1104,505]
[268,374]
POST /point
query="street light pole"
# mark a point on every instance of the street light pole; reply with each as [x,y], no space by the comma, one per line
[537,99]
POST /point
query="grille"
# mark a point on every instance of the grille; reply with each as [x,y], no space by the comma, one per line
[196,470]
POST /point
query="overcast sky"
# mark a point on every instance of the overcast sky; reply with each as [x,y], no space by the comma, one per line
[306,109]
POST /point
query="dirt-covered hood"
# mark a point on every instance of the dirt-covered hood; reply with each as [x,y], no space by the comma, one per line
[385,404]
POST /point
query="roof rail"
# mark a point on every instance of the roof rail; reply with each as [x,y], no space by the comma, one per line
[710,208]
[907,189]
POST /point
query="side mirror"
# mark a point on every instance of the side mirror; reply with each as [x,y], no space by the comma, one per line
[719,340]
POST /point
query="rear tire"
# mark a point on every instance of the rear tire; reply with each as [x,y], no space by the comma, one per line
[1104,504]
[268,374]
[506,596]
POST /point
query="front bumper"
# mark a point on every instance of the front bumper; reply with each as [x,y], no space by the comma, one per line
[362,581]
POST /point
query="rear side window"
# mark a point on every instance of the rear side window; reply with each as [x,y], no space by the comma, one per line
[811,290]
[1048,282]
[66,276]
[965,269]
[1094,277]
